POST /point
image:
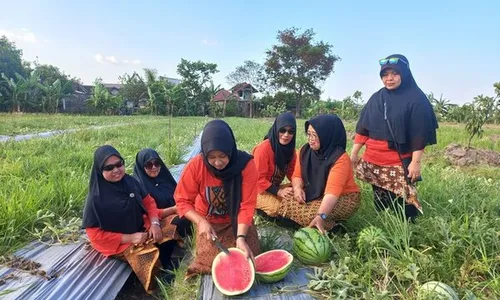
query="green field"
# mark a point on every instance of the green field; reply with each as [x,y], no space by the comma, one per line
[457,241]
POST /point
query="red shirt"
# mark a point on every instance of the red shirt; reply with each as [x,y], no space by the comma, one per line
[340,178]
[109,243]
[378,152]
[268,173]
[198,189]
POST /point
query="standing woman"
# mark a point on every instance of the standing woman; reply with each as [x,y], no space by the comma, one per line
[395,126]
[323,179]
[121,220]
[217,192]
[275,158]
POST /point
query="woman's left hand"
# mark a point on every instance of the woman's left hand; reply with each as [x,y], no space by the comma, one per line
[414,171]
[155,233]
[242,245]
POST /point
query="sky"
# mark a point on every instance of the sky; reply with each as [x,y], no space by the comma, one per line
[453,46]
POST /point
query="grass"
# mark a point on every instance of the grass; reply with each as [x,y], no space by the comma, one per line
[457,241]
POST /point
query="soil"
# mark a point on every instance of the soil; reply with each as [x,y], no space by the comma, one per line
[461,156]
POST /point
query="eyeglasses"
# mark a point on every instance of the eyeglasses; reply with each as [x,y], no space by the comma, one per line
[284,130]
[152,163]
[113,166]
[311,136]
[392,61]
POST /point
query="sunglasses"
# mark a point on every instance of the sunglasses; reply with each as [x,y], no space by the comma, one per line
[113,166]
[391,61]
[284,130]
[152,163]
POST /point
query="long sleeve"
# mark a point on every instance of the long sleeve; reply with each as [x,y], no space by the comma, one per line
[106,242]
[187,189]
[297,171]
[249,194]
[261,158]
[360,139]
[150,205]
[338,176]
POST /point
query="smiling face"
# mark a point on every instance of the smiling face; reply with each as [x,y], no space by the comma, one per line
[286,135]
[391,79]
[118,171]
[313,138]
[152,168]
[218,159]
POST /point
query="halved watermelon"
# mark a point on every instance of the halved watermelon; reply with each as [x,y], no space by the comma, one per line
[233,274]
[272,266]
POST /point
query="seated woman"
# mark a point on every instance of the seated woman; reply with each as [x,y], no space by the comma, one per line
[121,220]
[323,180]
[156,179]
[275,158]
[217,191]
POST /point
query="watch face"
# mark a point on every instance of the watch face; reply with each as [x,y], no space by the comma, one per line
[323,216]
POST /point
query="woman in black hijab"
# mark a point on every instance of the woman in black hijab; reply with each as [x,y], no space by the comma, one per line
[121,220]
[323,179]
[395,125]
[217,191]
[155,178]
[275,158]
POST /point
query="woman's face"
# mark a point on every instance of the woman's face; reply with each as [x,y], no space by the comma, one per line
[313,138]
[286,135]
[391,79]
[113,169]
[152,168]
[217,159]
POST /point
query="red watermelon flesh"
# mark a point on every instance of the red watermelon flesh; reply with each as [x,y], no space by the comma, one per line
[233,274]
[272,261]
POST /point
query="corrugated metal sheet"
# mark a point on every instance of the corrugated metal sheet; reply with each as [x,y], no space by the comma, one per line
[76,270]
[295,281]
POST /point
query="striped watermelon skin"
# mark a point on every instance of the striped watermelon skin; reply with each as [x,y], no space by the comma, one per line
[310,246]
[433,289]
[282,257]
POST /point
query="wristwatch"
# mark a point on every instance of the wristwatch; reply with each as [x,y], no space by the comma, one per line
[155,223]
[322,215]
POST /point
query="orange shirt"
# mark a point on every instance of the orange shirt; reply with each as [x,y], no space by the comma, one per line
[378,152]
[109,243]
[268,172]
[198,189]
[340,179]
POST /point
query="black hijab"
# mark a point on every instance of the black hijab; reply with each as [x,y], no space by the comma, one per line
[113,206]
[316,165]
[283,154]
[162,187]
[408,110]
[217,135]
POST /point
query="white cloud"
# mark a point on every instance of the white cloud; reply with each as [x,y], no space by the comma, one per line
[111,59]
[23,34]
[208,42]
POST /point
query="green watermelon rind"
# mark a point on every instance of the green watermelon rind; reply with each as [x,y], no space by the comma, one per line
[277,275]
[437,288]
[222,290]
[320,250]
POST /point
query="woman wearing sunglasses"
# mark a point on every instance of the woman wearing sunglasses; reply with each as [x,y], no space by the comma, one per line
[395,126]
[121,219]
[323,180]
[275,158]
[217,191]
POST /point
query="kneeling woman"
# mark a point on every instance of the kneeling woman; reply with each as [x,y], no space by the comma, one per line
[121,220]
[275,158]
[323,181]
[217,191]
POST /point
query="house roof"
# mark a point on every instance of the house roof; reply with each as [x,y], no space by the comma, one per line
[243,85]
[223,95]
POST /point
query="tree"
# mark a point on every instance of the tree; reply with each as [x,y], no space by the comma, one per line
[48,74]
[482,109]
[10,59]
[52,94]
[195,76]
[299,65]
[441,105]
[102,100]
[134,88]
[252,73]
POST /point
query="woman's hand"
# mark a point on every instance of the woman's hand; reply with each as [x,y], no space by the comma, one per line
[155,233]
[138,238]
[204,227]
[414,170]
[299,195]
[319,223]
[354,159]
[286,193]
[241,244]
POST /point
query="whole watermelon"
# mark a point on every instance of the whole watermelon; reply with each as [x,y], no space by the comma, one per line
[310,246]
[437,290]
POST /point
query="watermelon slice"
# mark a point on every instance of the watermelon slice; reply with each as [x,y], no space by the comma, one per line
[233,274]
[272,266]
